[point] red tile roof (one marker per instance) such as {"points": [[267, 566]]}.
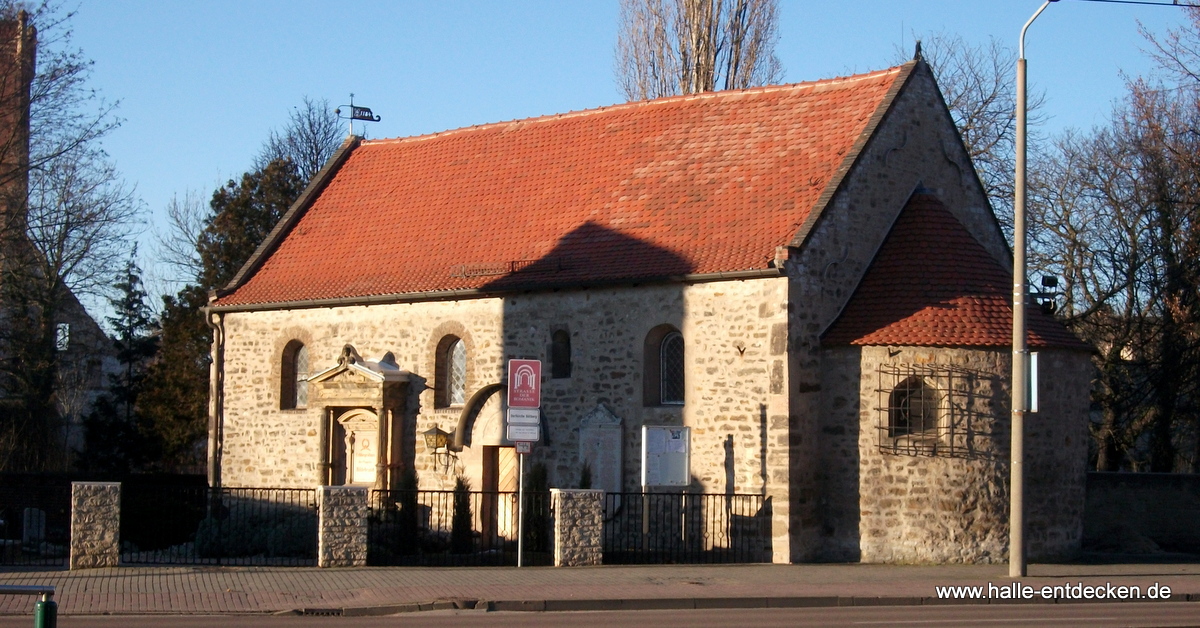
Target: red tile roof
{"points": [[932, 284], [685, 185]]}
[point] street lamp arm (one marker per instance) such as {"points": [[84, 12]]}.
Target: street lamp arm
{"points": [[1021, 45]]}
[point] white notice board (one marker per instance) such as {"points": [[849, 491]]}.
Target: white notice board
{"points": [[666, 455]]}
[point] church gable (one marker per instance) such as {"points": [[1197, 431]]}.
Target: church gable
{"points": [[933, 284]]}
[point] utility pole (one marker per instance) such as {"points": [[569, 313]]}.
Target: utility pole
{"points": [[1020, 360]]}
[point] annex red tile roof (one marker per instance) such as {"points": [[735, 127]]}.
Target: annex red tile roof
{"points": [[932, 284], [684, 185]]}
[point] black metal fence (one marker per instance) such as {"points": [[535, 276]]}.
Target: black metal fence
{"points": [[218, 526], [412, 527], [642, 528], [35, 523]]}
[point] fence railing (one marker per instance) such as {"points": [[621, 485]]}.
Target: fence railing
{"points": [[35, 524], [218, 526], [408, 527], [644, 528]]}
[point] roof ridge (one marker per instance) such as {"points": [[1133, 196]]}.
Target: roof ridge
{"points": [[725, 93]]}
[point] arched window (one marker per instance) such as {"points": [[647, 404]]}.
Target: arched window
{"points": [[663, 365], [293, 376], [560, 354], [913, 409], [450, 373]]}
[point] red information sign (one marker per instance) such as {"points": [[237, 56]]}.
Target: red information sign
{"points": [[524, 383]]}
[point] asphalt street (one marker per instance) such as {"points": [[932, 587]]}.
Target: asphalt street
{"points": [[1090, 615]]}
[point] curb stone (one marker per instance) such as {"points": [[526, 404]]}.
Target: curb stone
{"points": [[642, 604]]}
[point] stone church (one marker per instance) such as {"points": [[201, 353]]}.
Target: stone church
{"points": [[808, 276]]}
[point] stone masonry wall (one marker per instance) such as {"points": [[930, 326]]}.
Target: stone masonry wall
{"points": [[1056, 446], [914, 145], [578, 527], [95, 524], [906, 507], [342, 526], [735, 335]]}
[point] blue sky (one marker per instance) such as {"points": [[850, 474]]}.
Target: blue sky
{"points": [[200, 84]]}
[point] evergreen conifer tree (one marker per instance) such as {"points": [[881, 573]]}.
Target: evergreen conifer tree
{"points": [[115, 441]]}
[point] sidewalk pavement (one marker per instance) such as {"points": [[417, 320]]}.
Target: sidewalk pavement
{"points": [[387, 590]]}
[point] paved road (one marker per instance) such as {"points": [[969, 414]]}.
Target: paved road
{"points": [[1039, 615]]}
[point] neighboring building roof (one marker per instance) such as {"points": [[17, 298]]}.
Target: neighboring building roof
{"points": [[933, 284], [690, 185]]}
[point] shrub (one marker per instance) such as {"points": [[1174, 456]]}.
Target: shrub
{"points": [[460, 522]]}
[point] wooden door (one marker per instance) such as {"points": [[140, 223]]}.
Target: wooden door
{"points": [[498, 506]]}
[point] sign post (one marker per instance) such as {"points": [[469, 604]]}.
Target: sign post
{"points": [[524, 428]]}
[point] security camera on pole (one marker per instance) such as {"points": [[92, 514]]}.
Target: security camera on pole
{"points": [[523, 427]]}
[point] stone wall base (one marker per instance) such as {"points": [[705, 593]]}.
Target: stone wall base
{"points": [[342, 526], [578, 527], [95, 524]]}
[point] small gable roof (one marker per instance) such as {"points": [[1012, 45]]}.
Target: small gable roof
{"points": [[933, 284], [384, 370], [693, 185]]}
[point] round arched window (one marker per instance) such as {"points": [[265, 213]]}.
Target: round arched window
{"points": [[913, 409]]}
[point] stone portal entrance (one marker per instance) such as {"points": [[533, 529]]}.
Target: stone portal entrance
{"points": [[366, 437]]}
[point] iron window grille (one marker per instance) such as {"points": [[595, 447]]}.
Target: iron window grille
{"points": [[932, 410]]}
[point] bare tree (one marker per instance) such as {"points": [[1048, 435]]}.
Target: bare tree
{"points": [[310, 137], [669, 47], [78, 215], [66, 219], [176, 244], [1177, 53], [1117, 215]]}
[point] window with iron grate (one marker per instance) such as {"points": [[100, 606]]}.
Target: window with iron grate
{"points": [[913, 409], [936, 410]]}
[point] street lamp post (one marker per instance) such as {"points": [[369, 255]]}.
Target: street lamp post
{"points": [[1020, 360]]}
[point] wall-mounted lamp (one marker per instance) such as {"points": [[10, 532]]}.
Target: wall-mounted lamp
{"points": [[438, 442]]}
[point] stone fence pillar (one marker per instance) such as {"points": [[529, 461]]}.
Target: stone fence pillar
{"points": [[342, 527], [95, 524], [578, 527]]}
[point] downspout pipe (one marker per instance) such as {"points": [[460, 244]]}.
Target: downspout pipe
{"points": [[216, 392], [1017, 567]]}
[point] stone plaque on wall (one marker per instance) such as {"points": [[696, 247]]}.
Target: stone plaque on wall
{"points": [[600, 444]]}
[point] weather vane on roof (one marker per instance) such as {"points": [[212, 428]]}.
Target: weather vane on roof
{"points": [[356, 113]]}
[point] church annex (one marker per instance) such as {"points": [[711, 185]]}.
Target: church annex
{"points": [[808, 276]]}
